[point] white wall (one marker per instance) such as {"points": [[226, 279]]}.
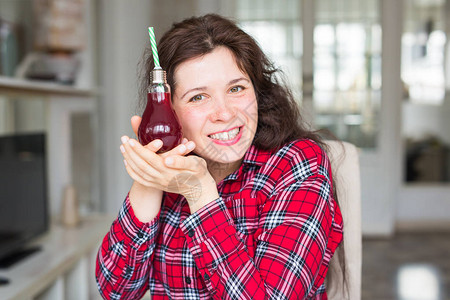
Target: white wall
{"points": [[423, 206], [420, 120], [381, 168], [122, 37]]}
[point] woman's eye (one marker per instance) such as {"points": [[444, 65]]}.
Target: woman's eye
{"points": [[236, 89], [197, 98]]}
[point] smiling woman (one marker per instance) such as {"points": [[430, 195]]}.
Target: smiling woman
{"points": [[245, 207], [216, 105]]}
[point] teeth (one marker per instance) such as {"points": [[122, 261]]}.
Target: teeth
{"points": [[225, 136]]}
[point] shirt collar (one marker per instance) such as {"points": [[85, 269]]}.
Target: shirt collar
{"points": [[255, 156]]}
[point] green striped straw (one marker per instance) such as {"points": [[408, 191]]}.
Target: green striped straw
{"points": [[151, 33]]}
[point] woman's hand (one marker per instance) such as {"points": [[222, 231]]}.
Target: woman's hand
{"points": [[171, 171]]}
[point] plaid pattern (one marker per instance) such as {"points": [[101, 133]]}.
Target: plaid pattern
{"points": [[270, 235]]}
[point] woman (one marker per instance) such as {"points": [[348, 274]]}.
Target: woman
{"points": [[244, 208]]}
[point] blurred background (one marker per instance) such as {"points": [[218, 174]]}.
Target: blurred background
{"points": [[374, 72]]}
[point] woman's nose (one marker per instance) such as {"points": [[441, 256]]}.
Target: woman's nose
{"points": [[222, 110]]}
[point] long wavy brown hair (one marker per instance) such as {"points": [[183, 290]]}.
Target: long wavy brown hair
{"points": [[279, 118]]}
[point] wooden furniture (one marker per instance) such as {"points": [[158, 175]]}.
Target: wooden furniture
{"points": [[63, 269]]}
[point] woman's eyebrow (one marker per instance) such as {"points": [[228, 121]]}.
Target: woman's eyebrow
{"points": [[237, 80], [201, 88]]}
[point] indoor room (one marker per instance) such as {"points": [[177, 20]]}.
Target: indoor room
{"points": [[370, 76]]}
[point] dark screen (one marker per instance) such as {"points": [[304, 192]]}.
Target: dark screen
{"points": [[23, 197]]}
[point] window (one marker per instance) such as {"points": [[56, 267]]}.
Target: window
{"points": [[423, 48], [276, 27], [347, 59], [347, 69]]}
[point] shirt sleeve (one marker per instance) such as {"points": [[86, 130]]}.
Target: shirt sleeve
{"points": [[295, 240], [125, 256]]}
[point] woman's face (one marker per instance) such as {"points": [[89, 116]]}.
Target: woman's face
{"points": [[216, 105]]}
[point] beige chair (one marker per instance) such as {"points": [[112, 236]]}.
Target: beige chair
{"points": [[345, 167]]}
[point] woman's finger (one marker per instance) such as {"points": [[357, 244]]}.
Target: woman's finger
{"points": [[154, 145], [191, 163], [139, 166], [141, 160], [134, 147], [135, 176], [181, 149]]}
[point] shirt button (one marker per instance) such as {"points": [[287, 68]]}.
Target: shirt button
{"points": [[140, 235], [206, 276], [191, 233], [188, 280]]}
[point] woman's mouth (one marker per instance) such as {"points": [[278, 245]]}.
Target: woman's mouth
{"points": [[227, 138], [226, 135]]}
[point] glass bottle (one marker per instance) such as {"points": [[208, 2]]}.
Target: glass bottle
{"points": [[159, 120]]}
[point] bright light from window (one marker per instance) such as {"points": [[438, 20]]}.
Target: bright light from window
{"points": [[418, 282], [351, 38], [324, 35], [423, 48], [271, 36]]}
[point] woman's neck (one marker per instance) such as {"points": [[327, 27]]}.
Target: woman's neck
{"points": [[221, 170]]}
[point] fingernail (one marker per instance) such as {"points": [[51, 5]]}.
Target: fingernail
{"points": [[182, 148], [190, 146], [122, 149], [157, 143], [124, 139], [169, 161], [131, 143], [125, 162]]}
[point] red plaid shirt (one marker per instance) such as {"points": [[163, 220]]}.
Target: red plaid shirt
{"points": [[271, 235]]}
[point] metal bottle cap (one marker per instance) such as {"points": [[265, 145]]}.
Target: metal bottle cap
{"points": [[159, 76]]}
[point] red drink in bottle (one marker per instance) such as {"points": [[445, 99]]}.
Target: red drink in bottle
{"points": [[159, 120]]}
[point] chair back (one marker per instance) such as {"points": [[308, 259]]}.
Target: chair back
{"points": [[344, 159]]}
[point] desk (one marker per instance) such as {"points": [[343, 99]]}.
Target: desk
{"points": [[64, 267]]}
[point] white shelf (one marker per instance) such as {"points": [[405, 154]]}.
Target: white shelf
{"points": [[17, 86], [63, 269]]}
